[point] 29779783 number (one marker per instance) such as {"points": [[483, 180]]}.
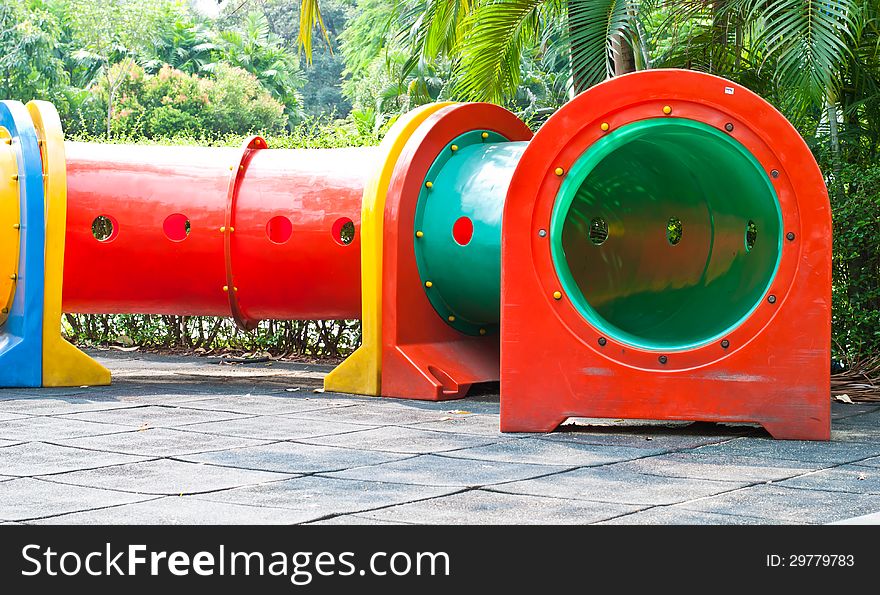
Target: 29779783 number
{"points": [[825, 560]]}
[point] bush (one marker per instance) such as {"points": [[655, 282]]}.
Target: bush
{"points": [[238, 103], [856, 273]]}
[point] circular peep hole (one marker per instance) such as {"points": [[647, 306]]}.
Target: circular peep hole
{"points": [[105, 228], [279, 229], [598, 231], [751, 235], [343, 231], [463, 231], [673, 231], [176, 227]]}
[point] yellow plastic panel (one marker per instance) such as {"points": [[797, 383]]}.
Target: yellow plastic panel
{"points": [[361, 372], [63, 364], [10, 216]]}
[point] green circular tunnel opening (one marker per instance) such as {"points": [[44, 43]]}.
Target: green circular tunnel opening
{"points": [[690, 233]]}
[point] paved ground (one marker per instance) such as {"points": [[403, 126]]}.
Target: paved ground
{"points": [[187, 440]]}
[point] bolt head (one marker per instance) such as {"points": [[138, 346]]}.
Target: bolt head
{"points": [[667, 109], [775, 173], [450, 318], [557, 295], [429, 184], [771, 299], [789, 236], [603, 341], [728, 127], [420, 234], [428, 284], [725, 344], [454, 147], [484, 136], [604, 126], [542, 233], [662, 359], [482, 330]]}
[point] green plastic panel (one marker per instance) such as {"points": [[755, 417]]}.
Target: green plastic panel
{"points": [[673, 271], [470, 182]]}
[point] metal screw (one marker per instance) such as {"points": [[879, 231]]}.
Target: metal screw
{"points": [[16, 226], [454, 148], [4, 311], [662, 359], [667, 109], [728, 127], [428, 284], [484, 136], [429, 185], [482, 330], [451, 318], [602, 341], [789, 236], [559, 171], [604, 126], [557, 295], [771, 299], [542, 233], [420, 234], [725, 344], [13, 276], [775, 173]]}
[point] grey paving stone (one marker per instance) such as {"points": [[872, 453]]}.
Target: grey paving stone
{"points": [[794, 450], [154, 416], [602, 484], [865, 519], [4, 443], [266, 404], [676, 515], [480, 424], [53, 428], [177, 510], [548, 452], [11, 416], [355, 519], [37, 458], [4, 478], [840, 411], [480, 507], [59, 405], [720, 467], [376, 414], [788, 505], [161, 442], [291, 457], [443, 471], [846, 478], [275, 427], [166, 477], [314, 498], [404, 440], [43, 393], [872, 462], [24, 499], [655, 436]]}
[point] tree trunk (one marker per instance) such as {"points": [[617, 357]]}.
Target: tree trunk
{"points": [[622, 56]]}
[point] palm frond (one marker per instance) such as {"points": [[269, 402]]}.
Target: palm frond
{"points": [[309, 17]]}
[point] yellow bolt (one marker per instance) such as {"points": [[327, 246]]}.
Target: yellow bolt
{"points": [[559, 171], [419, 234], [223, 229], [231, 167], [235, 289], [604, 126], [13, 276], [225, 288], [231, 229], [4, 311], [557, 295], [16, 226], [451, 318], [485, 135], [240, 168], [15, 177], [454, 147], [428, 284], [667, 109], [482, 331], [429, 184], [7, 141]]}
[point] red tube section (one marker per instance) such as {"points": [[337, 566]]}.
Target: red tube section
{"points": [[255, 233]]}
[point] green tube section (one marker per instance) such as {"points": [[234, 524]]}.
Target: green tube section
{"points": [[666, 234], [458, 229]]}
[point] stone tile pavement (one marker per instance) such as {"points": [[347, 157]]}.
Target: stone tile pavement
{"points": [[190, 440]]}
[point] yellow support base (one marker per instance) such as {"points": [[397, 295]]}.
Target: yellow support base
{"points": [[63, 364], [361, 372]]}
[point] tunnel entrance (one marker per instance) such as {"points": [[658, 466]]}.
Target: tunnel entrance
{"points": [[690, 232]]}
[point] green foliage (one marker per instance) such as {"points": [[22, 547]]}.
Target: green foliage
{"points": [[29, 65], [856, 273]]}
